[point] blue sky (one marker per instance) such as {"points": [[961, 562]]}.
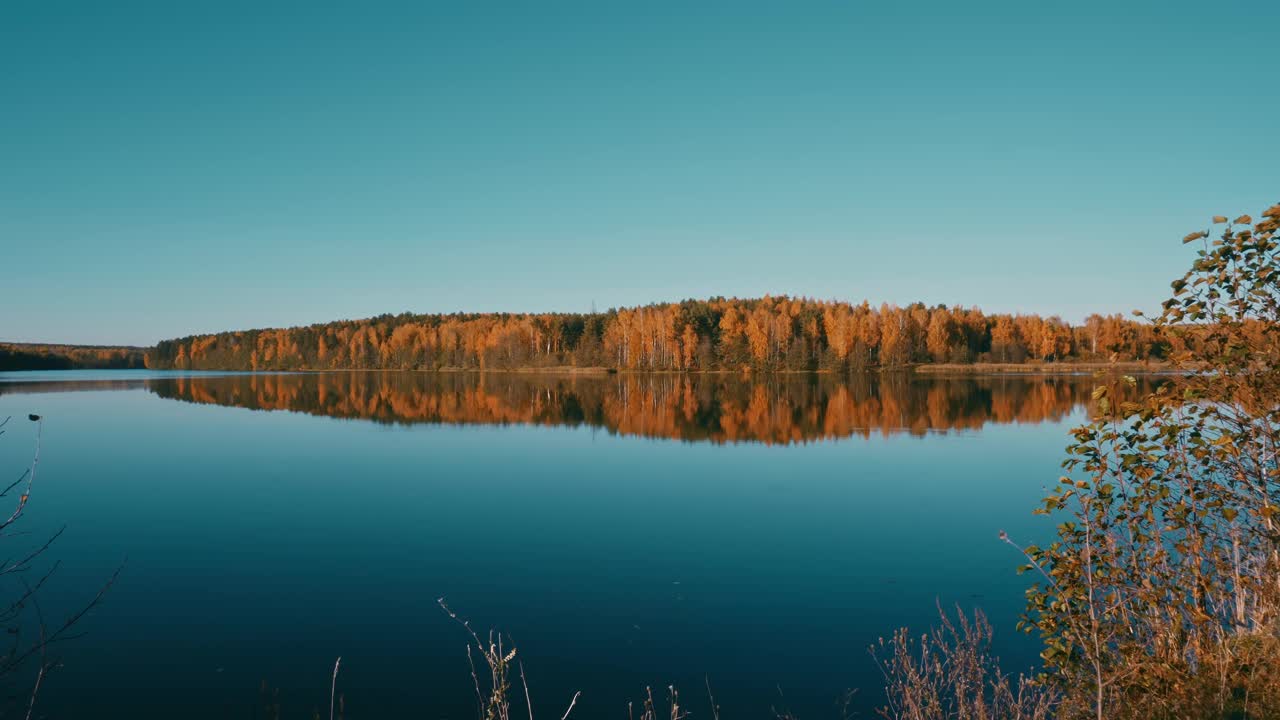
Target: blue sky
{"points": [[168, 169]]}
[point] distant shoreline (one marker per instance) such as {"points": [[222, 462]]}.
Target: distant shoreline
{"points": [[1056, 368], [1037, 368], [933, 370]]}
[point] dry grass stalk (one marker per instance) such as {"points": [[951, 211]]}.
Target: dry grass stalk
{"points": [[493, 698], [649, 708], [950, 674]]}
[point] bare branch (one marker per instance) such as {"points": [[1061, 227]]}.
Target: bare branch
{"points": [[572, 702], [333, 688]]}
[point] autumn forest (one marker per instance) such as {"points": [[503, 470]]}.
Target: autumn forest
{"points": [[25, 356], [766, 334]]}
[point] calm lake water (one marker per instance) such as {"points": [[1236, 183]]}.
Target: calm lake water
{"points": [[625, 530]]}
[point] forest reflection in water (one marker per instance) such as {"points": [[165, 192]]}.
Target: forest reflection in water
{"points": [[771, 409]]}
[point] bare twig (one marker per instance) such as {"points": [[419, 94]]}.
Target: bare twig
{"points": [[30, 476], [23, 563], [62, 633], [333, 688], [715, 709], [572, 702], [527, 702], [31, 706], [14, 484], [44, 664]]}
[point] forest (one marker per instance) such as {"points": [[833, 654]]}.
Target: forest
{"points": [[26, 356], [764, 334]]}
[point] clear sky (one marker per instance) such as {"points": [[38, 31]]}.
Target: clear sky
{"points": [[171, 168]]}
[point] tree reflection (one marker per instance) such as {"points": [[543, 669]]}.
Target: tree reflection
{"points": [[775, 409]]}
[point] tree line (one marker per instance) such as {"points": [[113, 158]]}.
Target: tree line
{"points": [[30, 356], [769, 333]]}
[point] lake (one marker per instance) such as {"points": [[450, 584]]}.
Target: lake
{"points": [[625, 530]]}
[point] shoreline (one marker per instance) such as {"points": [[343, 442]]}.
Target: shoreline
{"points": [[1064, 368], [932, 370]]}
